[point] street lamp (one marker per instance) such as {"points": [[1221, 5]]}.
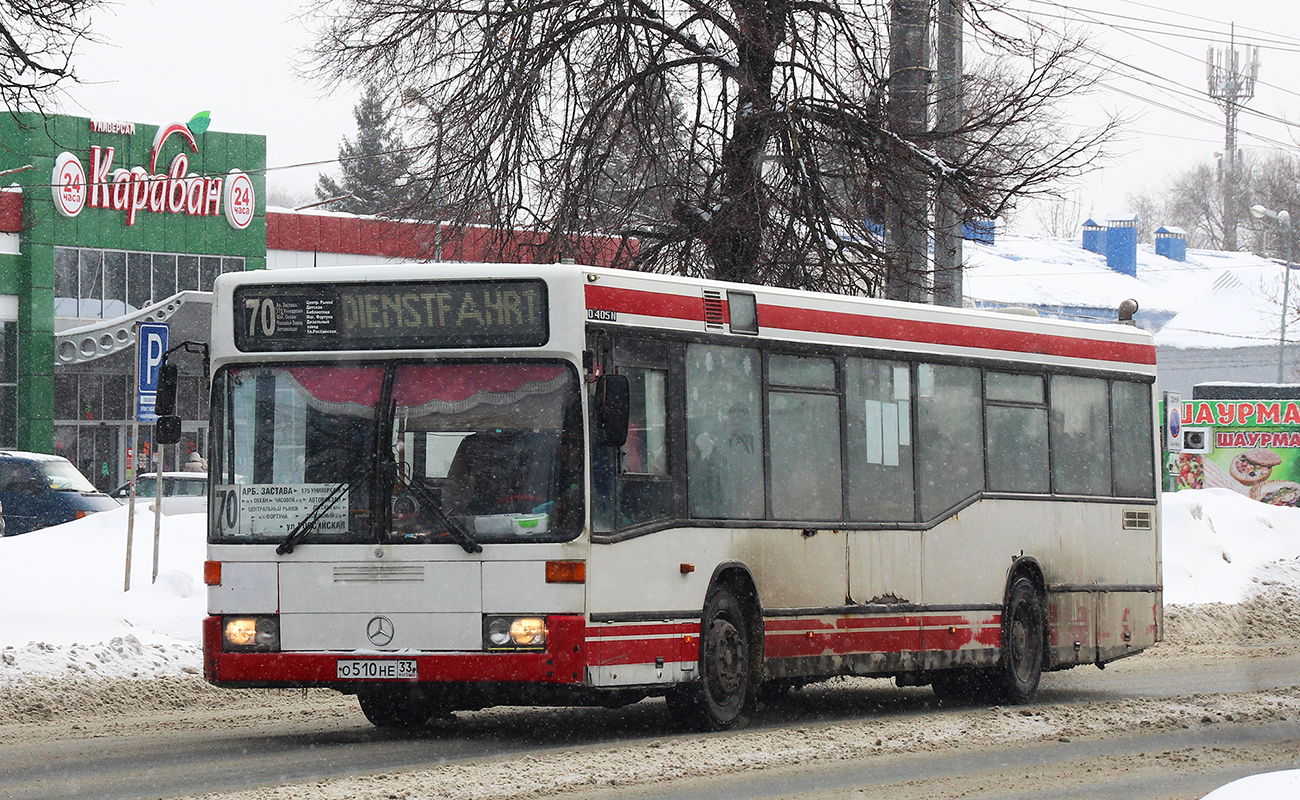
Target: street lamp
{"points": [[1284, 217]]}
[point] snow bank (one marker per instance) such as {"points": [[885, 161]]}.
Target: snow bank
{"points": [[1285, 783], [63, 612], [1221, 547]]}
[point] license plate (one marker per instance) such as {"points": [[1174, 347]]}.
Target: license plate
{"points": [[376, 669]]}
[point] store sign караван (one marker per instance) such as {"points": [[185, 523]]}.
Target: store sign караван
{"points": [[137, 189]]}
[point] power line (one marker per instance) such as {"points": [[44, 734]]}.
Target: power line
{"points": [[1178, 89], [1175, 51], [1198, 18]]}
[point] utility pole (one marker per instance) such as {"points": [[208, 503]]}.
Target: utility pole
{"points": [[1231, 84], [948, 216], [907, 224]]}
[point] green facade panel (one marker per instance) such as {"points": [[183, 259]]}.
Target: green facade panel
{"points": [[32, 139]]}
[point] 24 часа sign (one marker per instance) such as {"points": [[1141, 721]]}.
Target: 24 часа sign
{"points": [[1249, 446]]}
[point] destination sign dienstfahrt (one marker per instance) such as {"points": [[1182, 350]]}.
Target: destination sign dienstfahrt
{"points": [[381, 316]]}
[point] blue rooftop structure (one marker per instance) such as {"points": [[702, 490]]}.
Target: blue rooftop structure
{"points": [[1094, 237], [1171, 243], [1121, 244]]}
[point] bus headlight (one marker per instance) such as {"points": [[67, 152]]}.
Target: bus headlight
{"points": [[514, 633], [256, 634]]}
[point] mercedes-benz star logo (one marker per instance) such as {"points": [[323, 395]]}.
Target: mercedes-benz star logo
{"points": [[380, 631]]}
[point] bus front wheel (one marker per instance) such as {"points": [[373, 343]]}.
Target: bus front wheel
{"points": [[722, 696], [396, 707]]}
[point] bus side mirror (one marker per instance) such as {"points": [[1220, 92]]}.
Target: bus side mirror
{"points": [[167, 430], [165, 402], [613, 403]]}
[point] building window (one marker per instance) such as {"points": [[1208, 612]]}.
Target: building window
{"points": [[8, 384], [106, 284]]}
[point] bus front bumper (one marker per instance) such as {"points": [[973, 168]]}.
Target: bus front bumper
{"points": [[562, 662]]}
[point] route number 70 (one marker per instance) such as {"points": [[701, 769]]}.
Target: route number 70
{"points": [[260, 310]]}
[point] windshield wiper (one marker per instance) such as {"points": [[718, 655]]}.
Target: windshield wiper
{"points": [[457, 531], [308, 523]]}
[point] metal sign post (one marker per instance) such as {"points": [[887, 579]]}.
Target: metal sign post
{"points": [[157, 505]]}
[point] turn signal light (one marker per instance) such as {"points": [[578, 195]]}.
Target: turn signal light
{"points": [[566, 571], [212, 573]]}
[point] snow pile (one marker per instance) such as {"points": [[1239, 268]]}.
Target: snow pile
{"points": [[62, 608], [1285, 783], [63, 612], [1221, 547]]}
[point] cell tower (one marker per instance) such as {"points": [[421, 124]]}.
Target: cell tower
{"points": [[1231, 84]]}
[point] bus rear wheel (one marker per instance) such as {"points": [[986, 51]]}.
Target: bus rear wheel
{"points": [[1020, 666], [722, 696], [1023, 638], [397, 706]]}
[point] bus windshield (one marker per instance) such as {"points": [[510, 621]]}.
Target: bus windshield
{"points": [[399, 452]]}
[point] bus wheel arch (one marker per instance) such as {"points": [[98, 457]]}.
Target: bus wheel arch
{"points": [[729, 667]]}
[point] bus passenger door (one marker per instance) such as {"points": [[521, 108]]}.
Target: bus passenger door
{"points": [[638, 482], [884, 563]]}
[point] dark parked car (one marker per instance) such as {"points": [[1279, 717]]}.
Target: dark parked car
{"points": [[38, 490]]}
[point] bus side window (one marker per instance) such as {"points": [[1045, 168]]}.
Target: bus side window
{"points": [[1131, 433], [950, 436], [1016, 414], [644, 492], [1080, 432], [879, 402], [724, 432]]}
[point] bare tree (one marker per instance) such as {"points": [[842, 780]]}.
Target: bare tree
{"points": [[764, 142], [37, 42], [1061, 216], [1192, 200]]}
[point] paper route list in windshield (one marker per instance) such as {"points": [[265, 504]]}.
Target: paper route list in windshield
{"points": [[274, 509]]}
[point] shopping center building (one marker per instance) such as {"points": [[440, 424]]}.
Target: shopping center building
{"points": [[109, 223], [106, 224]]}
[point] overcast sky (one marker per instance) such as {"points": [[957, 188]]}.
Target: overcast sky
{"points": [[164, 60]]}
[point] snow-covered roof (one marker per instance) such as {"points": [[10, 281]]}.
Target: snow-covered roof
{"points": [[1213, 299]]}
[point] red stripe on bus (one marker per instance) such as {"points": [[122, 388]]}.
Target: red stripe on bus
{"points": [[649, 304], [643, 629], [944, 333], [676, 642], [682, 307], [848, 642]]}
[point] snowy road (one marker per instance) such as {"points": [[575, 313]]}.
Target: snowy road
{"points": [[826, 742]]}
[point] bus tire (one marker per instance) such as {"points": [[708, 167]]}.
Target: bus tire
{"points": [[961, 685], [396, 707], [723, 695], [1024, 634]]}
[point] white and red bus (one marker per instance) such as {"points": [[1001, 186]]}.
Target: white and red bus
{"points": [[445, 487]]}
